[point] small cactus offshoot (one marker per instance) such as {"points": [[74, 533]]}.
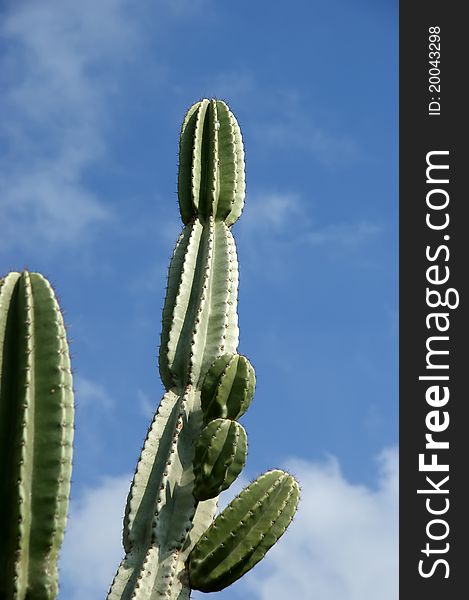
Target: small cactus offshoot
{"points": [[220, 455], [228, 387]]}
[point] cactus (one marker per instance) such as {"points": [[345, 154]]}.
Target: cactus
{"points": [[194, 448], [228, 388], [170, 505], [220, 454], [241, 535], [36, 434]]}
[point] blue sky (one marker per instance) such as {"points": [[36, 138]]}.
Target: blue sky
{"points": [[94, 95]]}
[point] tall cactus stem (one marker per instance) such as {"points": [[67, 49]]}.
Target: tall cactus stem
{"points": [[173, 495], [163, 519], [36, 435]]}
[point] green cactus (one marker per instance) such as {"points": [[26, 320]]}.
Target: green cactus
{"points": [[194, 448], [228, 388], [220, 455], [36, 435], [204, 379], [241, 535]]}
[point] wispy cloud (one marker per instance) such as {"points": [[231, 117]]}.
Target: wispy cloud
{"points": [[91, 394], [284, 120], [59, 77], [147, 407], [184, 8], [272, 210], [95, 413], [297, 131], [343, 542], [346, 234], [234, 86], [289, 122], [275, 213]]}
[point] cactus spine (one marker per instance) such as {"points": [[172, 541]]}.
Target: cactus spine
{"points": [[172, 501], [36, 435]]}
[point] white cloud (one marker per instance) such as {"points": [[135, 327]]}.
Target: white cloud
{"points": [[343, 542], [182, 9], [147, 407], [92, 546], [234, 86], [281, 119], [346, 234], [277, 212], [91, 394], [297, 131], [59, 70], [300, 127], [271, 210], [95, 413]]}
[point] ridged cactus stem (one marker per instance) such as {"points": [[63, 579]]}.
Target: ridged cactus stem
{"points": [[163, 520], [194, 448], [36, 434]]}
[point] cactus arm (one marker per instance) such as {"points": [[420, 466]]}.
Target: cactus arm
{"points": [[220, 455], [228, 388], [36, 434], [242, 534]]}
